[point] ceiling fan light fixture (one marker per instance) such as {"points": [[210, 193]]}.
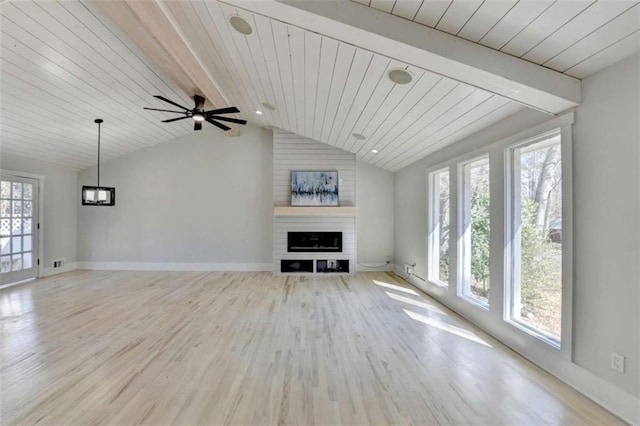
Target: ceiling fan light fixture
{"points": [[240, 25], [400, 76], [199, 115]]}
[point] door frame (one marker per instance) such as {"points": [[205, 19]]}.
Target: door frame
{"points": [[40, 179]]}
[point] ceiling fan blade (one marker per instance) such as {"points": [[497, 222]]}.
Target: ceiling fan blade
{"points": [[227, 110], [229, 119], [219, 125], [197, 125], [175, 119], [199, 100], [164, 110], [162, 98]]}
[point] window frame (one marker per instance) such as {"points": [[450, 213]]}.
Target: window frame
{"points": [[463, 242], [39, 260], [496, 318], [512, 237], [433, 227]]}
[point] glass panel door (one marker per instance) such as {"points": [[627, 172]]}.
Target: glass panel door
{"points": [[18, 228]]}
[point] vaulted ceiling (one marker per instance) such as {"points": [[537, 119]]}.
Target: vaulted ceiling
{"points": [[66, 63], [63, 64], [328, 90], [577, 37]]}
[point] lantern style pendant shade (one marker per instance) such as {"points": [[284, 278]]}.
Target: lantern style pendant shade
{"points": [[98, 195]]}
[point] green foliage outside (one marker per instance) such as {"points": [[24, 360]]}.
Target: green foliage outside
{"points": [[480, 231], [444, 263], [444, 227], [541, 274], [541, 258]]}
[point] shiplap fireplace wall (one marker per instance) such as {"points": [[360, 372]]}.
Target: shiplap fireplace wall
{"points": [[294, 152]]}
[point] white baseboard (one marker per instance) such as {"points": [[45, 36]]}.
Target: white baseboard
{"points": [[619, 402], [68, 267], [364, 268], [174, 266]]}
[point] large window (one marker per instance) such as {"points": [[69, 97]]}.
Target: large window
{"points": [[474, 230], [536, 236], [439, 227], [499, 233]]}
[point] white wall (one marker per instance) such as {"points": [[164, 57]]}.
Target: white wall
{"points": [[374, 196], [606, 191], [607, 223], [60, 205], [204, 199]]}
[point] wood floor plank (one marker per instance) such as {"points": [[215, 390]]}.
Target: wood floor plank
{"points": [[92, 347]]}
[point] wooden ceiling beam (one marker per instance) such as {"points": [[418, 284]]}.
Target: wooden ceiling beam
{"points": [[151, 28]]}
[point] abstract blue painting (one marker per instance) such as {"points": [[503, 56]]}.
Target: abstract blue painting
{"points": [[314, 188]]}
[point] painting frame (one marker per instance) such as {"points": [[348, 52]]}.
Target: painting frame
{"points": [[315, 188]]}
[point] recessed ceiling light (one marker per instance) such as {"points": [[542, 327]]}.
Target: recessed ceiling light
{"points": [[400, 76], [258, 112], [269, 106], [358, 136], [374, 151], [240, 25]]}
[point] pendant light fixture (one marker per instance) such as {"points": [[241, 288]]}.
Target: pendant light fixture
{"points": [[98, 195]]}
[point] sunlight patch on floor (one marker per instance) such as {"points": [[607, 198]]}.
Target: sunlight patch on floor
{"points": [[417, 303], [395, 287], [461, 332]]}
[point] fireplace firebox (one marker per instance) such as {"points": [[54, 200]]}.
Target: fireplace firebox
{"points": [[314, 242]]}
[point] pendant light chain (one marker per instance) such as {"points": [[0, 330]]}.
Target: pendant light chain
{"points": [[99, 122], [98, 154]]}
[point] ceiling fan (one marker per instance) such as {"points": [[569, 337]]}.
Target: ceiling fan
{"points": [[199, 114]]}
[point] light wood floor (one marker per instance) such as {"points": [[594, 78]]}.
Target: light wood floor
{"points": [[254, 348]]}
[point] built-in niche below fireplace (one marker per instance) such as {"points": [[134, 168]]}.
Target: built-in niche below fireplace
{"points": [[322, 266], [314, 242], [296, 266]]}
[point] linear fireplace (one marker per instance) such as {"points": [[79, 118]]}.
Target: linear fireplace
{"points": [[314, 242]]}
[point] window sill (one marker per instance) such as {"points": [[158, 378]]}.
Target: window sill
{"points": [[541, 336], [474, 302], [438, 283]]}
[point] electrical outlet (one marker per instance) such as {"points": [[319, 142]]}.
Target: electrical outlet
{"points": [[59, 263], [408, 269], [617, 362]]}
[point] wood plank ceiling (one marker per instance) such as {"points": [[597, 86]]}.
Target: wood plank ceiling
{"points": [[576, 37], [63, 64], [66, 63], [328, 90]]}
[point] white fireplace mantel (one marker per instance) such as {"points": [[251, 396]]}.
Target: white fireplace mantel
{"points": [[343, 211]]}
